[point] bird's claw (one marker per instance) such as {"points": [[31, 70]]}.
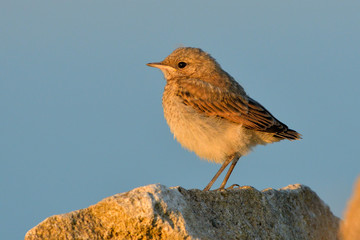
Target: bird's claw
{"points": [[233, 186]]}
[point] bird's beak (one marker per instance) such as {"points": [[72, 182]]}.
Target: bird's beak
{"points": [[155, 64], [163, 67], [166, 69]]}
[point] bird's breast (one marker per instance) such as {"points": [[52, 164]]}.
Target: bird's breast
{"points": [[211, 138]]}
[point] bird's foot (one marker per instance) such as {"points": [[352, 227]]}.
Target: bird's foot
{"points": [[233, 186]]}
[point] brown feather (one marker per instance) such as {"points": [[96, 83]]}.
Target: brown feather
{"points": [[233, 106]]}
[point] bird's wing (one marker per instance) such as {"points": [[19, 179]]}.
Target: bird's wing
{"points": [[232, 105]]}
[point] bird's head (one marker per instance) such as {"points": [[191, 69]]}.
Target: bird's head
{"points": [[187, 62]]}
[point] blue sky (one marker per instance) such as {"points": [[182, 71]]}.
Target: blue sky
{"points": [[81, 116]]}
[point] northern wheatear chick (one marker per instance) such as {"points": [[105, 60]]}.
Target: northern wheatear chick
{"points": [[210, 114]]}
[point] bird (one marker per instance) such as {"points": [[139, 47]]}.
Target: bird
{"points": [[209, 113]]}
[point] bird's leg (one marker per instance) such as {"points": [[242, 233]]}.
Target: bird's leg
{"points": [[236, 159], [223, 166]]}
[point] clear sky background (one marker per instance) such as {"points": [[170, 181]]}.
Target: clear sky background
{"points": [[81, 115]]}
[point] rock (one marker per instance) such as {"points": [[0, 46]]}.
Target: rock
{"points": [[158, 212], [350, 227]]}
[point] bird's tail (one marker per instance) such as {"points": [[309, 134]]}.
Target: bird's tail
{"points": [[288, 134]]}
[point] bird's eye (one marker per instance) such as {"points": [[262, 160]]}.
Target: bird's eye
{"points": [[181, 64]]}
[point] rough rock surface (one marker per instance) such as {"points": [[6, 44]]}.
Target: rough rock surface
{"points": [[158, 212]]}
